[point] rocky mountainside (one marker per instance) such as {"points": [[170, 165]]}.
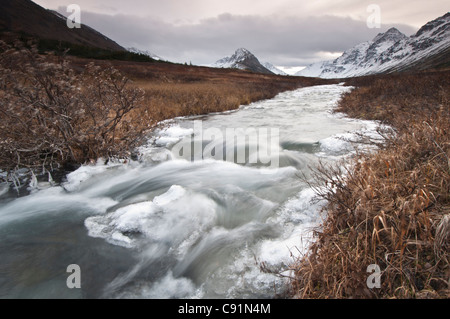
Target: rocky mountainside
{"points": [[24, 17], [244, 60], [391, 51]]}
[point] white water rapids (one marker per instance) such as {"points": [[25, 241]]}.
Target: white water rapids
{"points": [[166, 226]]}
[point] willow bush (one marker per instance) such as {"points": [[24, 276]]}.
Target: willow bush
{"points": [[51, 115]]}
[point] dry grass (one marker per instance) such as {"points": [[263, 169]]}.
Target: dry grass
{"points": [[391, 208], [173, 90], [169, 100]]}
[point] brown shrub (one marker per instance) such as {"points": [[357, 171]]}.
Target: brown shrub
{"points": [[52, 115]]}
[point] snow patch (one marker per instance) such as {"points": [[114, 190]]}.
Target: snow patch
{"points": [[170, 218]]}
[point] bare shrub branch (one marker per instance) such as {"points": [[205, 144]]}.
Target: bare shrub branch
{"points": [[52, 115]]}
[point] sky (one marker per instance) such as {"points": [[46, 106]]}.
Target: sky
{"points": [[286, 33]]}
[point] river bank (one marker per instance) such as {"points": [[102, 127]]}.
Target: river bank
{"points": [[392, 208], [61, 112], [166, 226], [65, 111]]}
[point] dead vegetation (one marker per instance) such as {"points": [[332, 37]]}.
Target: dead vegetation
{"points": [[390, 208], [52, 115], [173, 90]]}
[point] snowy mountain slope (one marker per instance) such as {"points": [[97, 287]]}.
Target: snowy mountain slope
{"points": [[390, 51], [269, 66], [147, 53], [244, 60]]}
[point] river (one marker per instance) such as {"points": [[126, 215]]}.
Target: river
{"points": [[192, 217]]}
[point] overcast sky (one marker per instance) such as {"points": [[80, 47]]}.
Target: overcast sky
{"points": [[283, 32]]}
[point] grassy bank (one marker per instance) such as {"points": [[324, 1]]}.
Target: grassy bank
{"points": [[392, 208]]}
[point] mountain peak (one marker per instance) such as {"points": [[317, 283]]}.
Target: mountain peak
{"points": [[242, 51], [242, 54], [393, 30], [242, 59], [393, 34]]}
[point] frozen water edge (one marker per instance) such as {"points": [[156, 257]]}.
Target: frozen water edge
{"points": [[298, 217]]}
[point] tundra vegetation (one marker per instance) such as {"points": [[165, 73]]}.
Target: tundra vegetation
{"points": [[391, 207]]}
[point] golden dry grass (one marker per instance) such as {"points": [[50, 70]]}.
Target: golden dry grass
{"points": [[392, 208]]}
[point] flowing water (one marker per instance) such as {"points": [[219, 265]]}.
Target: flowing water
{"points": [[178, 224]]}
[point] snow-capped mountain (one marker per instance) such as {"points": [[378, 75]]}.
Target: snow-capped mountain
{"points": [[244, 60], [147, 53], [269, 66], [390, 51]]}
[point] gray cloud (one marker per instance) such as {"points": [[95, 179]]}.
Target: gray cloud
{"points": [[410, 12], [290, 41]]}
